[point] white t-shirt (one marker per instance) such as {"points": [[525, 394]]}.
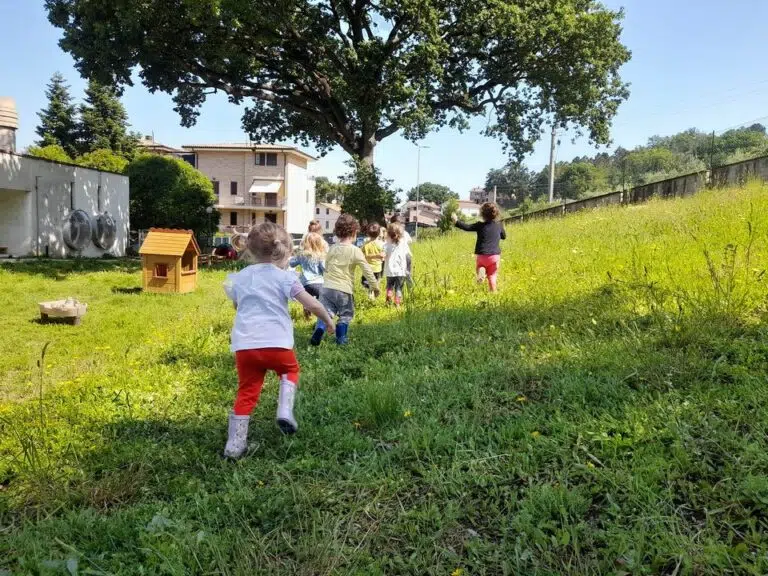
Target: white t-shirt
{"points": [[396, 258], [407, 237], [261, 293]]}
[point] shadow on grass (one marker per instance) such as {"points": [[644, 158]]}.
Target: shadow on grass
{"points": [[62, 269], [128, 291]]}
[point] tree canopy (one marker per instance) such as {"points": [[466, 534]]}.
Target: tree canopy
{"points": [[327, 191], [430, 192], [167, 192], [103, 160], [58, 120], [103, 122], [50, 152], [367, 196], [353, 72]]}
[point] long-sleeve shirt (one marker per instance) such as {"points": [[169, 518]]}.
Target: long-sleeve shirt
{"points": [[488, 236], [312, 269], [340, 268]]}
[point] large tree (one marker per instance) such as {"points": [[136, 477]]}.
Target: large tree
{"points": [[353, 72], [430, 192], [367, 196], [58, 121], [514, 183], [327, 191], [104, 122]]}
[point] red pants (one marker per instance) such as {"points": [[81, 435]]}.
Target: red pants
{"points": [[252, 366], [491, 264]]}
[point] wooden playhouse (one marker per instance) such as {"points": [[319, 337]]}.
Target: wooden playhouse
{"points": [[169, 261]]}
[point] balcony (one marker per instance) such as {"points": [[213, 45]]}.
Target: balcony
{"points": [[265, 201]]}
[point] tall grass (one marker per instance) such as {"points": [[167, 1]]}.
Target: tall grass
{"points": [[605, 413]]}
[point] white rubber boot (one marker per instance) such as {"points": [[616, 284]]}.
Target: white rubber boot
{"points": [[285, 420], [237, 440]]}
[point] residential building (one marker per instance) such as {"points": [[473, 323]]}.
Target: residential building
{"points": [[469, 209], [479, 195], [327, 214], [59, 210], [427, 213], [149, 145], [256, 183]]}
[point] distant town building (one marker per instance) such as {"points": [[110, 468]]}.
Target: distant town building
{"points": [[327, 214], [469, 209], [427, 214]]}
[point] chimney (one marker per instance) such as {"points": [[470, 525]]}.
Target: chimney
{"points": [[9, 122]]}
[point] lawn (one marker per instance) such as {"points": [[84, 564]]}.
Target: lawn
{"points": [[605, 413]]}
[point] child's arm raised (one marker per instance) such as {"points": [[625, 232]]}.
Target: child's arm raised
{"points": [[310, 303]]}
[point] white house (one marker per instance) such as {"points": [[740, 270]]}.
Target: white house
{"points": [[469, 209], [327, 214], [256, 183], [57, 210]]}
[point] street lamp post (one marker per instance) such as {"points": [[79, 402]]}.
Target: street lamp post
{"points": [[209, 211], [418, 187]]}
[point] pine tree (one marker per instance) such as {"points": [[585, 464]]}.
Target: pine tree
{"points": [[104, 122], [58, 122]]}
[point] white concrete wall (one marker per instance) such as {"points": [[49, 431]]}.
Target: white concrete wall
{"points": [[300, 195], [51, 191]]}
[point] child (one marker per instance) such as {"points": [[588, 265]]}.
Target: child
{"points": [[336, 295], [374, 255], [487, 249], [396, 219], [312, 262], [314, 228], [262, 336], [396, 262]]}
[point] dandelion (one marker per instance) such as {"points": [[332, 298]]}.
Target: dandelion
{"points": [[457, 572], [521, 399], [535, 434], [407, 414]]}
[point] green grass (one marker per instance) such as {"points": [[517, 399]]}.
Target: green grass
{"points": [[605, 413]]}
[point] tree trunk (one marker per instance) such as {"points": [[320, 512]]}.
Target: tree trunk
{"points": [[366, 154]]}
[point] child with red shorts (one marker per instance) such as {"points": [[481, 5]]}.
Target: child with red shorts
{"points": [[262, 336], [487, 248]]}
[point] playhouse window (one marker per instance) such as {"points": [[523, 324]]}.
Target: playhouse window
{"points": [[188, 262], [161, 270]]}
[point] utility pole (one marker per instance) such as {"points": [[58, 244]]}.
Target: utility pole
{"points": [[552, 166], [493, 198], [418, 188]]}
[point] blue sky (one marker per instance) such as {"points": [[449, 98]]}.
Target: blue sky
{"points": [[695, 63]]}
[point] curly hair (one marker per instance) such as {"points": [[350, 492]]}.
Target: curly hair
{"points": [[346, 227], [489, 211], [395, 232], [269, 242], [374, 230]]}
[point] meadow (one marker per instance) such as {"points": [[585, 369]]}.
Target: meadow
{"points": [[605, 413]]}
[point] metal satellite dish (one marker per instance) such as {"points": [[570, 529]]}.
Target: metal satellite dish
{"points": [[77, 230], [104, 231]]}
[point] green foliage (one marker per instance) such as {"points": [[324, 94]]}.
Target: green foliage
{"points": [[450, 208], [604, 413], [103, 160], [104, 122], [576, 180], [58, 120], [367, 195], [351, 74], [430, 192], [167, 192], [327, 191], [51, 152], [513, 183]]}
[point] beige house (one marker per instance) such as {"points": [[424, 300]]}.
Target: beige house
{"points": [[256, 183], [427, 213], [469, 209], [327, 214]]}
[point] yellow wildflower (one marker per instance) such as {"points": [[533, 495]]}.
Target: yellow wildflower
{"points": [[535, 434], [407, 414], [457, 572], [590, 465], [521, 399], [357, 425]]}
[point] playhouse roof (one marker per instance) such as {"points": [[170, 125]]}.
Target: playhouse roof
{"points": [[167, 242]]}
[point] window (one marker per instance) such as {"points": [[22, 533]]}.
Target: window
{"points": [[266, 159], [188, 262], [271, 218], [317, 211], [233, 218], [215, 186], [327, 211], [190, 159], [161, 271], [327, 224], [233, 188]]}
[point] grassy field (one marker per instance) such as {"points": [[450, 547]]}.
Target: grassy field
{"points": [[605, 413]]}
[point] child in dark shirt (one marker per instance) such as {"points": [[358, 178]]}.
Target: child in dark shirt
{"points": [[487, 249]]}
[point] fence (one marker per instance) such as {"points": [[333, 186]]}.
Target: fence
{"points": [[678, 187]]}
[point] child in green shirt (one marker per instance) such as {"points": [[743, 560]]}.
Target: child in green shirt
{"points": [[373, 250]]}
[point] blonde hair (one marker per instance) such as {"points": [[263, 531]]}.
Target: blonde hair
{"points": [[314, 246], [395, 232], [269, 242]]}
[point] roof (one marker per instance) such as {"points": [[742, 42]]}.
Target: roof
{"points": [[468, 204], [241, 146], [335, 207], [423, 204], [168, 242]]}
